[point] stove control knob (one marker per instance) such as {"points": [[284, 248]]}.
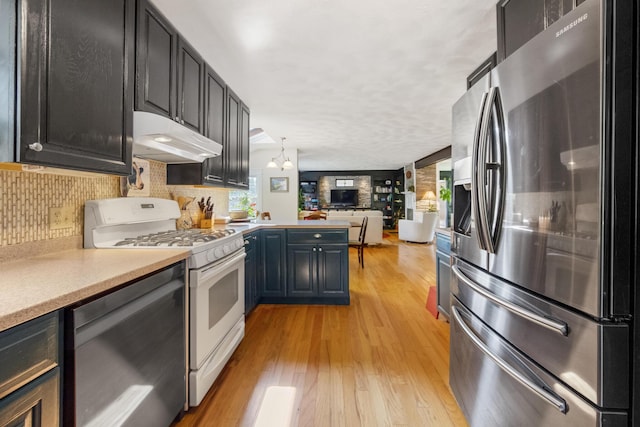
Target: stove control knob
{"points": [[211, 256], [227, 249], [239, 244], [219, 252]]}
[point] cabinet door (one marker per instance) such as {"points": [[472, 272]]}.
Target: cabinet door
{"points": [[191, 70], [249, 275], [34, 405], [258, 267], [232, 146], [243, 170], [273, 263], [302, 270], [215, 119], [443, 276], [76, 84], [156, 59], [333, 270]]}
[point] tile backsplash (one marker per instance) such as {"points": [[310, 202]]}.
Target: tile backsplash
{"points": [[25, 199]]}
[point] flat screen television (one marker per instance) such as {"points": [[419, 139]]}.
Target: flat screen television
{"points": [[344, 197]]}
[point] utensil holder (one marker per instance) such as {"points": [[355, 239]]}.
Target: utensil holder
{"points": [[206, 223]]}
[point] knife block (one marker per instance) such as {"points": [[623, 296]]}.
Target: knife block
{"points": [[207, 223]]}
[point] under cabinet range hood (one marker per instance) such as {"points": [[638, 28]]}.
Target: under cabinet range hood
{"points": [[159, 138]]}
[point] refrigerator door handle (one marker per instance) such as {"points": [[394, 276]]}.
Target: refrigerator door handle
{"points": [[475, 173], [549, 323], [544, 391], [497, 166], [482, 215]]}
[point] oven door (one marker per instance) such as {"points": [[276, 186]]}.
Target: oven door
{"points": [[217, 303]]}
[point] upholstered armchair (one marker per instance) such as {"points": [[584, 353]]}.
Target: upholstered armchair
{"points": [[420, 229]]}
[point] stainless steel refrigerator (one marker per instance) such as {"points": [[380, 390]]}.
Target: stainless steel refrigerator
{"points": [[545, 229]]}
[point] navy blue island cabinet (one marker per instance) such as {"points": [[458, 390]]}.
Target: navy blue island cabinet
{"points": [[300, 266]]}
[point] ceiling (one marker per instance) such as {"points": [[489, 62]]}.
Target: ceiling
{"points": [[352, 85]]}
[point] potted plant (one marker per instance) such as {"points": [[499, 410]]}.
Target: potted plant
{"points": [[445, 195]]}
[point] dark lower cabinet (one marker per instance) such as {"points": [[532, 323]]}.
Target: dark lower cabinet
{"points": [[317, 270], [318, 266], [252, 269], [443, 272], [74, 84], [333, 271], [300, 266], [273, 278], [30, 373], [34, 405], [302, 270]]}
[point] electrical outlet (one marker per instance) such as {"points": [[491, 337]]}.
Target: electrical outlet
{"points": [[60, 218]]}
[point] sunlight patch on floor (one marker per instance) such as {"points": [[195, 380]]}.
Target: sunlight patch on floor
{"points": [[276, 409]]}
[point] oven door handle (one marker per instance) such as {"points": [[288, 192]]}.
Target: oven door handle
{"points": [[544, 391], [215, 269], [552, 324]]}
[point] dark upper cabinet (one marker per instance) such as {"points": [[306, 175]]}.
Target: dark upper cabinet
{"points": [[170, 74], [482, 70], [243, 172], [232, 143], [191, 72], [173, 80], [74, 84], [214, 125], [156, 63]]}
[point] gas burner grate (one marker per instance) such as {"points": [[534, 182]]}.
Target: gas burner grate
{"points": [[175, 238]]}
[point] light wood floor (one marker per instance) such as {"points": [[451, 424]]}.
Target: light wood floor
{"points": [[382, 361]]}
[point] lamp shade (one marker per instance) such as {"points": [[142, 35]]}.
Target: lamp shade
{"points": [[430, 195]]}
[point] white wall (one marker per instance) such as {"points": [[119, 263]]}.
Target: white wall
{"points": [[282, 206]]}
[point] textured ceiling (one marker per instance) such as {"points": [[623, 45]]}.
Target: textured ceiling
{"points": [[352, 84]]}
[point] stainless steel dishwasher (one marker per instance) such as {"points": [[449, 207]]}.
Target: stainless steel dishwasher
{"points": [[128, 355]]}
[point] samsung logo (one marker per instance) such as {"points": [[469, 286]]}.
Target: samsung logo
{"points": [[571, 25]]}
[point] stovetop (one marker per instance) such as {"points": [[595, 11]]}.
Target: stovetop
{"points": [[182, 238], [150, 223]]}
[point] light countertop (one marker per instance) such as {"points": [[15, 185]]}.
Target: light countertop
{"points": [[37, 285], [247, 227]]}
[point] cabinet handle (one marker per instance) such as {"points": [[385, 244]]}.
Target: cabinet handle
{"points": [[255, 237], [177, 119], [246, 242], [320, 249], [36, 146], [317, 235], [314, 249]]}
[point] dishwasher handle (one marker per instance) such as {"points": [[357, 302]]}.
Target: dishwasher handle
{"points": [[88, 331]]}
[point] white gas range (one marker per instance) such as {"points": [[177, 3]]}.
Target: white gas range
{"points": [[215, 278]]}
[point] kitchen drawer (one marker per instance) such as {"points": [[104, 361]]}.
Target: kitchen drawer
{"points": [[28, 351], [443, 243], [317, 236]]}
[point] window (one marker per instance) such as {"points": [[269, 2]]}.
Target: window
{"points": [[245, 200]]}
